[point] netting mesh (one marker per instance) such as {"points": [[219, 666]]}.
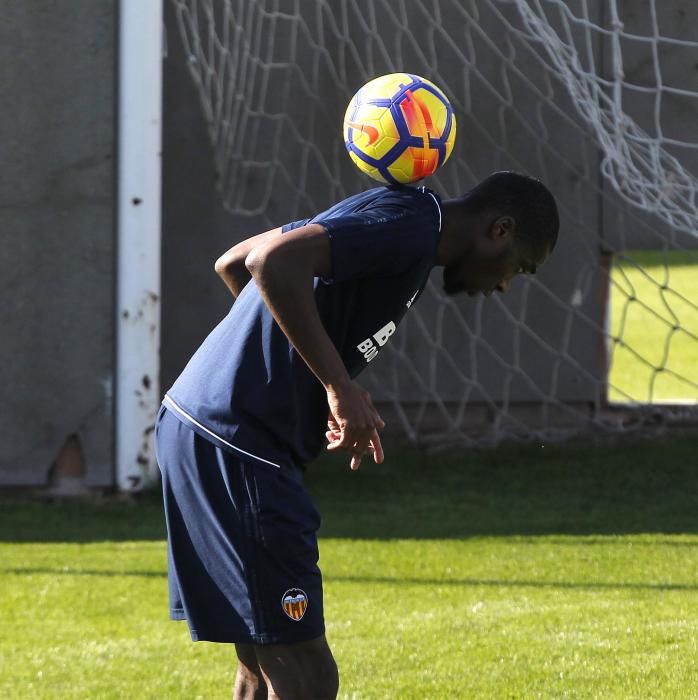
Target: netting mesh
{"points": [[598, 99], [636, 162]]}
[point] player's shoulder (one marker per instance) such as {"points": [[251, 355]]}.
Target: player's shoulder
{"points": [[405, 193], [411, 198], [415, 201], [396, 197], [387, 205]]}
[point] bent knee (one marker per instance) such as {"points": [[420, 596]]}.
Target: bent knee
{"points": [[300, 672], [317, 679], [323, 682]]}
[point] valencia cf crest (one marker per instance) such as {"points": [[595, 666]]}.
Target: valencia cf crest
{"points": [[295, 603]]}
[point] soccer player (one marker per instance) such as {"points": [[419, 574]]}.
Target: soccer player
{"points": [[315, 301]]}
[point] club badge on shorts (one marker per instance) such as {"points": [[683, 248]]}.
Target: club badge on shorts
{"points": [[295, 603]]}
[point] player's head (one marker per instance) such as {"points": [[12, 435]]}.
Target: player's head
{"points": [[507, 225]]}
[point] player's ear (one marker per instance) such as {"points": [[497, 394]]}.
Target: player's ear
{"points": [[503, 228]]}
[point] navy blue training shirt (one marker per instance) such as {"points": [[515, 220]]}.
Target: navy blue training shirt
{"points": [[248, 390]]}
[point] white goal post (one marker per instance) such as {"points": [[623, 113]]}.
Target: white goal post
{"points": [[138, 242]]}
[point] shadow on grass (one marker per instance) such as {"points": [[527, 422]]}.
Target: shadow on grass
{"points": [[581, 488], [386, 580], [83, 520]]}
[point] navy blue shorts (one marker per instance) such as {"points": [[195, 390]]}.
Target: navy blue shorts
{"points": [[242, 542]]}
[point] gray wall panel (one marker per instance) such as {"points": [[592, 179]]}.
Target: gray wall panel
{"points": [[671, 116], [57, 223]]}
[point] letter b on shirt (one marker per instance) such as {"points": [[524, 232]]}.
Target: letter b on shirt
{"points": [[384, 333], [368, 349]]}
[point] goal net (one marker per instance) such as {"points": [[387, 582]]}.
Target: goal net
{"points": [[597, 98]]}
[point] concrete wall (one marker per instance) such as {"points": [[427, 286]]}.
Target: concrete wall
{"points": [[57, 230]]}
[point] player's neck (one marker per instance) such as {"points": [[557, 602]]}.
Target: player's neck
{"points": [[458, 231]]}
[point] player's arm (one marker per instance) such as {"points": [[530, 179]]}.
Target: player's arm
{"points": [[230, 267], [284, 268]]}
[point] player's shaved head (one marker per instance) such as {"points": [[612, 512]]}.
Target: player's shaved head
{"points": [[505, 226], [527, 200]]}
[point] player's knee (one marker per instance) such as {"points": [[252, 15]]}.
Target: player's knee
{"points": [[319, 677], [305, 673], [325, 679], [319, 683]]}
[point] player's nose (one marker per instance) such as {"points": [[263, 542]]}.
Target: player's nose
{"points": [[503, 286]]}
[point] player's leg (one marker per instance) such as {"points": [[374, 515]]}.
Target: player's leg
{"points": [[250, 684], [299, 671]]}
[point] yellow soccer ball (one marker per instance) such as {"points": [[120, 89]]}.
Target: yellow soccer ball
{"points": [[399, 128]]}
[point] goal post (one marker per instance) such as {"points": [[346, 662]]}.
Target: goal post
{"points": [[138, 242], [597, 98]]}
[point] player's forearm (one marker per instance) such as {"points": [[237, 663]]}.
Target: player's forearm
{"points": [[286, 286]]}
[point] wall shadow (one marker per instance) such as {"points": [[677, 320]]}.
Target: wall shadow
{"points": [[646, 486]]}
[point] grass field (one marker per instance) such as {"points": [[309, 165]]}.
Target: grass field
{"points": [[653, 311], [537, 572]]}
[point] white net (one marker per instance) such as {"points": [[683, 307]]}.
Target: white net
{"points": [[636, 162], [598, 98]]}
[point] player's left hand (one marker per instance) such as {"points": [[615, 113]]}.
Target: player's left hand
{"points": [[334, 435]]}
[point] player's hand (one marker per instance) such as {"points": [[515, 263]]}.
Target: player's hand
{"points": [[353, 423], [334, 433]]}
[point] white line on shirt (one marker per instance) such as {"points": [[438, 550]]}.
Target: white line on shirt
{"points": [[171, 404], [436, 201]]}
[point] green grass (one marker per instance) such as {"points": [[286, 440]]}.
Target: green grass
{"points": [[536, 572], [654, 314]]}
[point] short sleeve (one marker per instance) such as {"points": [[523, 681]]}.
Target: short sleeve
{"points": [[381, 241], [294, 225]]}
